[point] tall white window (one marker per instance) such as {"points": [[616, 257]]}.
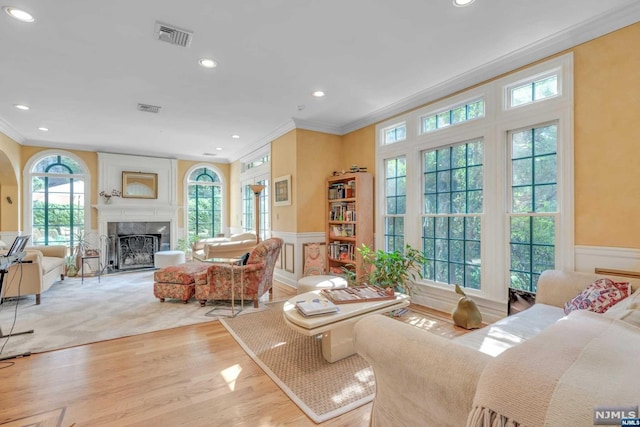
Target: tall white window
{"points": [[256, 171], [482, 182], [204, 201], [56, 200]]}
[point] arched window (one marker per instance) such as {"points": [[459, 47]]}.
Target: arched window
{"points": [[204, 202], [57, 200]]}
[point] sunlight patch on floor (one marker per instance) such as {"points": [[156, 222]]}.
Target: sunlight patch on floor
{"points": [[230, 375]]}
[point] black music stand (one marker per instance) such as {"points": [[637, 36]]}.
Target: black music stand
{"points": [[14, 256]]}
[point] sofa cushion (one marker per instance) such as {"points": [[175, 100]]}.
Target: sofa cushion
{"points": [[49, 263], [599, 296]]}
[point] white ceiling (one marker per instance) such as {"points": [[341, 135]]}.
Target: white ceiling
{"points": [[83, 66]]}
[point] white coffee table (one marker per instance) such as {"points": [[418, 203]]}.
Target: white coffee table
{"points": [[337, 328]]}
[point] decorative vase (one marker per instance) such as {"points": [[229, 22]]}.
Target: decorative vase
{"points": [[466, 313]]}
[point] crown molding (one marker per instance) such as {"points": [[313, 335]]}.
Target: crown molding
{"points": [[285, 127], [318, 126], [11, 132], [581, 33]]}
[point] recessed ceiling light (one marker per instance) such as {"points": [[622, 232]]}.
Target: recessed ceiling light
{"points": [[318, 93], [235, 136], [21, 107], [462, 3], [19, 14], [208, 63], [219, 148], [43, 129]]}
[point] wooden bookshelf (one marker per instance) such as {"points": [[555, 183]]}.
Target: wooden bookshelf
{"points": [[349, 221]]}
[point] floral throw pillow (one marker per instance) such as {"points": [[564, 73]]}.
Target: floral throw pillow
{"points": [[599, 296]]}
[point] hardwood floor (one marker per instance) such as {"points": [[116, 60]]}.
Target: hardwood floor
{"points": [[189, 376]]}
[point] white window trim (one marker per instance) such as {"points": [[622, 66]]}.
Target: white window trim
{"points": [[185, 191], [28, 186], [493, 129]]}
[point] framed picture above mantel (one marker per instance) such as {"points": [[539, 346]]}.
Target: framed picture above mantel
{"points": [[139, 185]]}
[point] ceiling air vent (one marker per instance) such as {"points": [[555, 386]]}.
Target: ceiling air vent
{"points": [[172, 35], [149, 108]]}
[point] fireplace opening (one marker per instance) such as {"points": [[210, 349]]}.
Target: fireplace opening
{"points": [[136, 250]]}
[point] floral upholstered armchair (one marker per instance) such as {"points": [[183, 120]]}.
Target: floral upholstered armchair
{"points": [[256, 276]]}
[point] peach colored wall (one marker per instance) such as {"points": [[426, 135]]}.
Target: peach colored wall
{"points": [[359, 148], [183, 167], [90, 158], [319, 154], [283, 162], [607, 138], [10, 179]]}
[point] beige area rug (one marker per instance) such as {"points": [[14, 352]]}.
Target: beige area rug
{"points": [[74, 313], [321, 389]]}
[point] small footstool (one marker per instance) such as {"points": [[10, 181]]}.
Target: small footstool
{"points": [[177, 281], [168, 258], [312, 283]]}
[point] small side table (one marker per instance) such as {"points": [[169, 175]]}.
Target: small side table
{"points": [[232, 263], [87, 258]]}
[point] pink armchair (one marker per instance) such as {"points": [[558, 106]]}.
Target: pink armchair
{"points": [[256, 276]]}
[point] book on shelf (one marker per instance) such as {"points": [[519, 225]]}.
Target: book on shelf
{"points": [[316, 307]]}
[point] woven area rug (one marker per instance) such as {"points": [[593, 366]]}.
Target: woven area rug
{"points": [[73, 313], [321, 389]]}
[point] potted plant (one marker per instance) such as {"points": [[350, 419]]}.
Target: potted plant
{"points": [[393, 270], [71, 270]]}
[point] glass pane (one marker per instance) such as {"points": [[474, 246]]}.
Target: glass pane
{"points": [[442, 227], [545, 196], [546, 140], [459, 179], [474, 153], [391, 187], [546, 170], [430, 161], [472, 229], [459, 156], [475, 178], [444, 119], [459, 114], [401, 207], [429, 124], [522, 144], [444, 159], [444, 203], [430, 182], [521, 95], [456, 230], [401, 133], [390, 136], [520, 230], [443, 181], [428, 227], [458, 202], [522, 172], [430, 203], [520, 257], [522, 199], [476, 109], [544, 230], [546, 87], [543, 258]]}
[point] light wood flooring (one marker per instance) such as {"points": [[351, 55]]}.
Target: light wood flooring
{"points": [[189, 376]]}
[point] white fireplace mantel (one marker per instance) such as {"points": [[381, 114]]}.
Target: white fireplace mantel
{"points": [[137, 213]]}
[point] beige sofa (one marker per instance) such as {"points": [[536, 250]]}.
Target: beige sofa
{"points": [[224, 247], [42, 266], [538, 367]]}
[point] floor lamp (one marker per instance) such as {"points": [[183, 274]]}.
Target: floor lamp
{"points": [[257, 189]]}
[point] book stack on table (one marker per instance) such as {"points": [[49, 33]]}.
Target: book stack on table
{"points": [[316, 307]]}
